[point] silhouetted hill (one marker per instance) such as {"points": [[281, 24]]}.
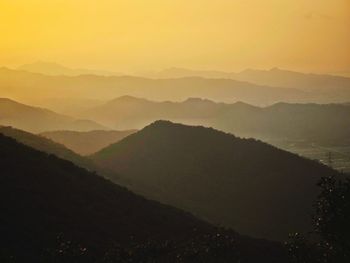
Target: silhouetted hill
{"points": [[36, 119], [86, 143], [242, 183], [310, 122], [43, 197], [46, 145], [128, 112], [13, 84]]}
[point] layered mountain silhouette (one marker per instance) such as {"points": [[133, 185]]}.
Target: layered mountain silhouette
{"points": [[36, 119], [129, 112], [274, 77], [305, 122], [43, 197], [310, 122], [86, 143], [245, 184], [289, 79], [15, 83], [48, 146]]}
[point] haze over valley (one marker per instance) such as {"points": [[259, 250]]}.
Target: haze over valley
{"points": [[175, 131]]}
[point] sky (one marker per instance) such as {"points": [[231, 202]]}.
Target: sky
{"points": [[146, 35]]}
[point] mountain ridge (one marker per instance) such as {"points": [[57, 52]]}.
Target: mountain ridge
{"points": [[66, 206], [209, 173], [36, 119]]}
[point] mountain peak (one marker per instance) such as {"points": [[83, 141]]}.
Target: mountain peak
{"points": [[127, 99], [197, 100], [210, 168], [162, 124]]}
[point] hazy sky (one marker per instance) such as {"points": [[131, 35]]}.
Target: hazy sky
{"points": [[135, 35]]}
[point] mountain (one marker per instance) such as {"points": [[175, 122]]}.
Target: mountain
{"points": [[54, 211], [184, 73], [274, 77], [36, 119], [48, 146], [307, 122], [14, 84], [55, 69], [289, 79], [86, 143], [129, 112], [245, 184]]}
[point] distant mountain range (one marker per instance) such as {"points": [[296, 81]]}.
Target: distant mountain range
{"points": [[245, 184], [311, 122], [274, 77], [86, 143], [52, 210], [55, 69], [14, 84], [36, 119], [251, 86]]}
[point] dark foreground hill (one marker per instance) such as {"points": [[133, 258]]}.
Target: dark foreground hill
{"points": [[245, 184], [42, 197], [46, 145], [86, 143]]}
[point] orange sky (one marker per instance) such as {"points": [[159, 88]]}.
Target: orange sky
{"points": [[139, 35]]}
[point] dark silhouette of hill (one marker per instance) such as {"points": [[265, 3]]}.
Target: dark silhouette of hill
{"points": [[86, 143], [311, 122], [43, 197], [48, 146], [308, 122], [36, 119], [245, 184], [55, 69], [135, 113], [14, 82]]}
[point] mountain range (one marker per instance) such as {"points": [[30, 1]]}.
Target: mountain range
{"points": [[86, 143], [36, 119], [48, 146], [55, 69], [52, 210], [308, 122], [274, 77], [244, 184], [14, 84]]}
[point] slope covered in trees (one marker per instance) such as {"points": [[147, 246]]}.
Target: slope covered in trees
{"points": [[242, 183], [46, 145], [42, 197], [86, 143]]}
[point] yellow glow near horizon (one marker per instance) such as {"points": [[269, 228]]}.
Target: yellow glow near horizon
{"points": [[128, 35]]}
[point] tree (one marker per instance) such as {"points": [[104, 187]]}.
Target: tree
{"points": [[331, 226]]}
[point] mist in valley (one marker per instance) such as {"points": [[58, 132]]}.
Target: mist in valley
{"points": [[166, 131]]}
